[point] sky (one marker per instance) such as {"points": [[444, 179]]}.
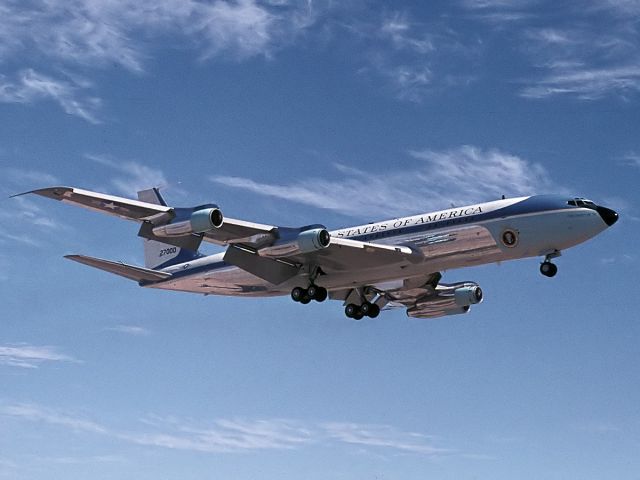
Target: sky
{"points": [[296, 112]]}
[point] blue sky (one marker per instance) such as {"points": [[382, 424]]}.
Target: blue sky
{"points": [[338, 113]]}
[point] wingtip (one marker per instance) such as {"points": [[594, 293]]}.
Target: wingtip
{"points": [[55, 193]]}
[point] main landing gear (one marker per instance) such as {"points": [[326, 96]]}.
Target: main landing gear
{"points": [[547, 268], [367, 309], [305, 295]]}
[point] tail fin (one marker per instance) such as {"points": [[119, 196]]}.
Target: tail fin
{"points": [[159, 255]]}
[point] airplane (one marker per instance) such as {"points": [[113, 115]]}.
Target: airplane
{"points": [[381, 265]]}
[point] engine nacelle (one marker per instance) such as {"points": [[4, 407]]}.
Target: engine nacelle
{"points": [[201, 221], [434, 311], [453, 299], [465, 296], [306, 242]]}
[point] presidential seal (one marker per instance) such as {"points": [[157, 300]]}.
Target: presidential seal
{"points": [[509, 238]]}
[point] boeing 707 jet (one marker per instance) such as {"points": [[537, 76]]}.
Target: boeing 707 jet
{"points": [[391, 263]]}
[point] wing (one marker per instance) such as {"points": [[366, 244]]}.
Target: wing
{"points": [[131, 272], [117, 206], [153, 216], [247, 241]]}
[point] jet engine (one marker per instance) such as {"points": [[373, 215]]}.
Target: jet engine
{"points": [[201, 221], [452, 299], [305, 242]]}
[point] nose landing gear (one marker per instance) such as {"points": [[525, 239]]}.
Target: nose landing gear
{"points": [[547, 268]]}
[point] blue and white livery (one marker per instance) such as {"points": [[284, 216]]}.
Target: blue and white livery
{"points": [[368, 267]]}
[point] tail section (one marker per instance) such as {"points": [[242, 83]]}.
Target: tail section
{"points": [[158, 255]]}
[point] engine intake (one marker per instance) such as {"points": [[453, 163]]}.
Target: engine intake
{"points": [[466, 296], [201, 221], [306, 242]]}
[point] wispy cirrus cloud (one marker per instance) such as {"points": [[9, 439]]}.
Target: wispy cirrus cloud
{"points": [[23, 355], [98, 34], [28, 177], [134, 330], [134, 176], [632, 159], [236, 435], [383, 436], [81, 35], [587, 51], [31, 86], [413, 58], [433, 179]]}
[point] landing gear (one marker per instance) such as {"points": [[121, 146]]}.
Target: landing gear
{"points": [[367, 309], [304, 296], [319, 294], [548, 269]]}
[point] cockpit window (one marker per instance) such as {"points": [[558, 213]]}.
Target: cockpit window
{"points": [[581, 202]]}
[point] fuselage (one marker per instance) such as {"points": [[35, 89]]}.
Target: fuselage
{"points": [[448, 239]]}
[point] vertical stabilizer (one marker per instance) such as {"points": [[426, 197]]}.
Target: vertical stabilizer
{"points": [[159, 255]]}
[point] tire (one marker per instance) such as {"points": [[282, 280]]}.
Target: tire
{"points": [[312, 291], [297, 293], [321, 294], [548, 269], [351, 310], [374, 311]]}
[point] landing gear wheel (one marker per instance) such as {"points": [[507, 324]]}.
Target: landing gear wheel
{"points": [[297, 293], [358, 315], [548, 269], [351, 310], [305, 299], [319, 294], [374, 311]]}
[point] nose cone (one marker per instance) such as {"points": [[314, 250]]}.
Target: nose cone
{"points": [[608, 216]]}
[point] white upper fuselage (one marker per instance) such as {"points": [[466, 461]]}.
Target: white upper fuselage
{"points": [[457, 237]]}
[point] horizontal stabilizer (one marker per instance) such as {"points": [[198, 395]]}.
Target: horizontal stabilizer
{"points": [[139, 274]]}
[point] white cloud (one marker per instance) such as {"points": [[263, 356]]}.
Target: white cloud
{"points": [[23, 176], [585, 83], [36, 413], [136, 175], [129, 330], [100, 33], [240, 435], [242, 27], [413, 59], [632, 159], [32, 86], [23, 211], [433, 180], [383, 436], [30, 356]]}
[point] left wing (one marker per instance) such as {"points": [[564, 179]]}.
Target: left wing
{"points": [[258, 246], [154, 217]]}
